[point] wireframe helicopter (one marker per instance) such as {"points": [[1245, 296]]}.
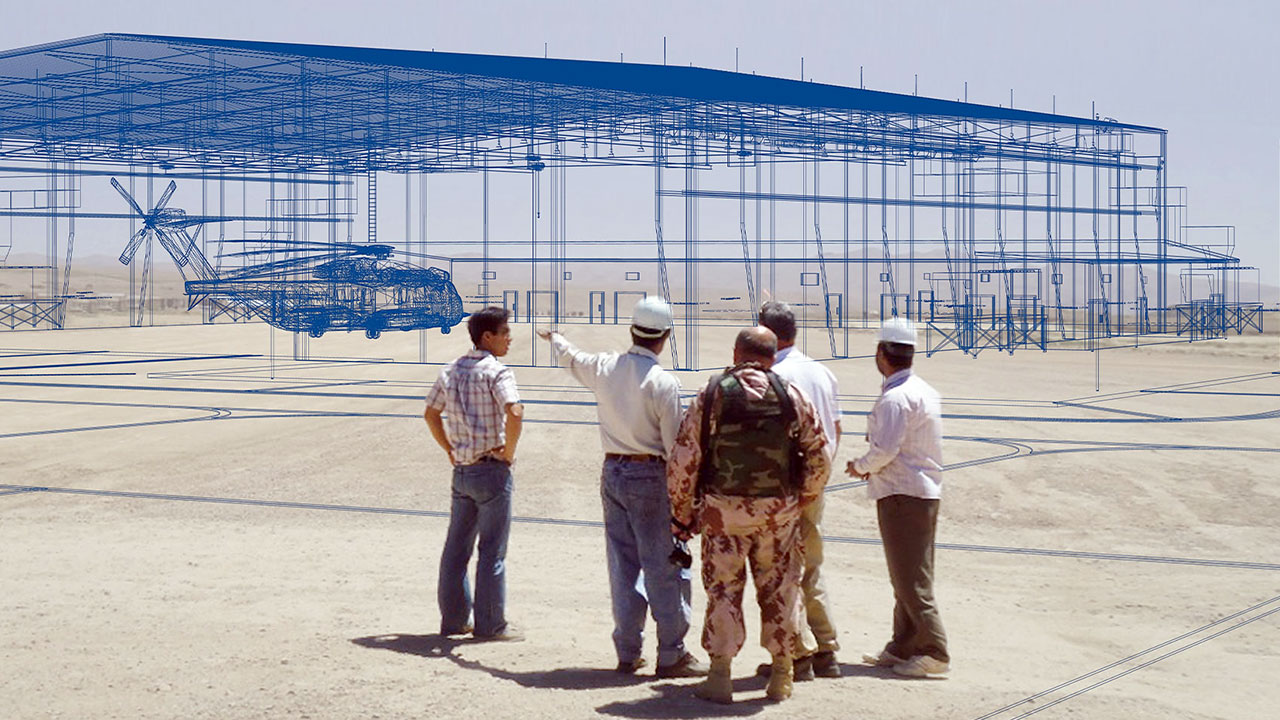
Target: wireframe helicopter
{"points": [[333, 286]]}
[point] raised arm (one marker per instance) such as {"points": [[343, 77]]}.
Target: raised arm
{"points": [[585, 367]]}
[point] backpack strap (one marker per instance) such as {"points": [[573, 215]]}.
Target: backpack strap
{"points": [[795, 455], [708, 400], [784, 399]]}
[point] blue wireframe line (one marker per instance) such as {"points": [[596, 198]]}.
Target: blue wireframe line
{"points": [[1135, 656], [127, 362], [1267, 415], [257, 391], [844, 486], [571, 522], [215, 415], [1231, 380], [20, 491], [1023, 450], [70, 374], [1074, 554], [53, 352], [1099, 408], [222, 414], [1208, 392], [333, 383]]}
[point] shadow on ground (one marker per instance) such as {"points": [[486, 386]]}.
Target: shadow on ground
{"points": [[440, 646], [670, 700], [678, 702]]}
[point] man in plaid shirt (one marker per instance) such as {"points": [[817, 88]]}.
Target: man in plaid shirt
{"points": [[479, 429]]}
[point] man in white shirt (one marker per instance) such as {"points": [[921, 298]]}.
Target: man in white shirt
{"points": [[903, 469], [816, 654], [638, 404]]}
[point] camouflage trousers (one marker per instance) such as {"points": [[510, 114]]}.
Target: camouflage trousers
{"points": [[776, 558]]}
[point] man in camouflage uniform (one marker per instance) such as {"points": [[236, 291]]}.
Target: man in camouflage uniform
{"points": [[765, 460]]}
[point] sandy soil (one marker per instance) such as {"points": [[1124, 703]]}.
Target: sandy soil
{"points": [[249, 537]]}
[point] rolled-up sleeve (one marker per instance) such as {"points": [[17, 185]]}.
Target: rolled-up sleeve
{"points": [[436, 397], [504, 388]]}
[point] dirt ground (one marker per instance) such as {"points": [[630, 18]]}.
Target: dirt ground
{"points": [[193, 529]]}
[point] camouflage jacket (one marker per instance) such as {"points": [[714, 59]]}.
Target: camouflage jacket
{"points": [[731, 514]]}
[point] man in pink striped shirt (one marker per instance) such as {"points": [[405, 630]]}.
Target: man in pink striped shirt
{"points": [[481, 409]]}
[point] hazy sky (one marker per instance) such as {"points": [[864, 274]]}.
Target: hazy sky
{"points": [[1203, 71]]}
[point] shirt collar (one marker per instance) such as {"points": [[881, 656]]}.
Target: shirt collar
{"points": [[478, 353], [896, 379], [783, 353], [644, 351]]}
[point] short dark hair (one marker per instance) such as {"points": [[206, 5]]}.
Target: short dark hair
{"points": [[650, 344], [756, 344], [777, 316], [490, 319], [898, 355]]}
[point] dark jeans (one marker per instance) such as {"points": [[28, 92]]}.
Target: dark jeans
{"points": [[907, 526], [481, 508]]}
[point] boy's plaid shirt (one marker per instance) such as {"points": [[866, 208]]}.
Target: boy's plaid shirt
{"points": [[474, 391]]}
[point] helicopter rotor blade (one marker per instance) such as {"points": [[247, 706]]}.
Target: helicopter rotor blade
{"points": [[280, 266], [333, 250], [438, 259], [283, 245], [127, 197], [173, 246], [126, 257], [179, 241], [164, 198]]}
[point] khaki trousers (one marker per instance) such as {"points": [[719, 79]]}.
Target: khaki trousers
{"points": [[817, 631]]}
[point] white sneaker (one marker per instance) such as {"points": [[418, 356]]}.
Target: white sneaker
{"points": [[922, 666], [884, 658]]}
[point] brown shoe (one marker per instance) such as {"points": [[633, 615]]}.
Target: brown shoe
{"points": [[686, 666], [507, 634], [824, 664], [629, 667]]}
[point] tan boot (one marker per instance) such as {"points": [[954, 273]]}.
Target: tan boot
{"points": [[718, 687], [780, 678]]}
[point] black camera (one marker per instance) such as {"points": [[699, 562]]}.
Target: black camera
{"points": [[680, 553]]}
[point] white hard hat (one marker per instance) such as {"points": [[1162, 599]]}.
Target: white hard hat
{"points": [[651, 318], [898, 330]]}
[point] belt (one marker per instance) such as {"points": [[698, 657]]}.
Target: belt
{"points": [[489, 456], [620, 457]]}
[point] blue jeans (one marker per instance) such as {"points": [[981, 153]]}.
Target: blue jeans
{"points": [[481, 507], [637, 525]]}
